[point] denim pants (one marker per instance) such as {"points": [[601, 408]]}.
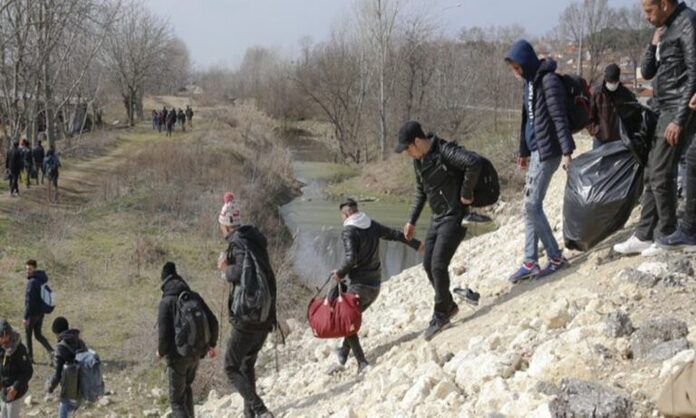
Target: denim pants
{"points": [[67, 408], [10, 409], [536, 225]]}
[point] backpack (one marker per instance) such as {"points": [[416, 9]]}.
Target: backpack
{"points": [[487, 189], [48, 301], [51, 167], [191, 326], [82, 379], [251, 299], [578, 97]]}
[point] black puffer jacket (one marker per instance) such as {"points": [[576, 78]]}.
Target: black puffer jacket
{"points": [[13, 161], [243, 238], [33, 305], [38, 154], [361, 237], [15, 370], [445, 174], [69, 344], [674, 75], [172, 287]]}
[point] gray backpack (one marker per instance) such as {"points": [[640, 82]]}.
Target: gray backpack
{"points": [[82, 379]]}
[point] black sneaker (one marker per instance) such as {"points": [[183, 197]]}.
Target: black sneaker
{"points": [[436, 325], [476, 218], [363, 367], [454, 311], [340, 365], [471, 297]]}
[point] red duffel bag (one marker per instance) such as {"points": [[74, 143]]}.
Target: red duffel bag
{"points": [[334, 317]]}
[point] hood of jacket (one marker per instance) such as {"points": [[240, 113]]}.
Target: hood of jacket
{"points": [[359, 220], [71, 337], [248, 234], [522, 52], [547, 65], [10, 347], [173, 285], [40, 277]]}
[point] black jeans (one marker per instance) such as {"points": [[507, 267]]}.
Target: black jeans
{"points": [[14, 182], [242, 350], [367, 295], [34, 327], [689, 220], [658, 216], [441, 242], [181, 372]]}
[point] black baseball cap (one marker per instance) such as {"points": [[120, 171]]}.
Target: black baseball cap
{"points": [[407, 134], [612, 73], [348, 202]]}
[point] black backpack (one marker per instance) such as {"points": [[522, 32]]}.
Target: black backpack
{"points": [[578, 97], [487, 189], [251, 300], [191, 325]]}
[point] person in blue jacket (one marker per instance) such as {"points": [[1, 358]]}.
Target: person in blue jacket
{"points": [[33, 308]]}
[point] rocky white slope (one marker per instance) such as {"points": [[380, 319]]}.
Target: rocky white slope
{"points": [[599, 338]]}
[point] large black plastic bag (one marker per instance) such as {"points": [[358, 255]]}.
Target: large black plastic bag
{"points": [[604, 185]]}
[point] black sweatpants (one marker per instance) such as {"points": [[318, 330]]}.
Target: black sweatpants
{"points": [[34, 327], [441, 242], [181, 373], [367, 295], [658, 216], [242, 351], [14, 182]]}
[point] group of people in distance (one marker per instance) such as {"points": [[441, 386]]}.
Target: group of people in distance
{"points": [[23, 161], [167, 119]]}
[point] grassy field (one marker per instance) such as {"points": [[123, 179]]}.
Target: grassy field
{"points": [[131, 200]]}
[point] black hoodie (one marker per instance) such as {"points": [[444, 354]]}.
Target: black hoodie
{"points": [[15, 368], [32, 299], [243, 238], [172, 287], [69, 344]]}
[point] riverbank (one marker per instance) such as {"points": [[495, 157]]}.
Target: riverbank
{"points": [[139, 201]]}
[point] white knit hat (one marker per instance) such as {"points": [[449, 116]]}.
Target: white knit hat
{"points": [[230, 215]]}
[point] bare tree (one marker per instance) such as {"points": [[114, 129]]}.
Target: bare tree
{"points": [[634, 35]]}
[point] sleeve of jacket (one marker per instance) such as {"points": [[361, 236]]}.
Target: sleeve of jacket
{"points": [[418, 198], [30, 299], [555, 95], [467, 162], [350, 248], [234, 270], [593, 127], [214, 325], [649, 64], [524, 149], [165, 327], [26, 370], [390, 234], [688, 40], [59, 360]]}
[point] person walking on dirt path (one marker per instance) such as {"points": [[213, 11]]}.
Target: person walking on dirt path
{"points": [[13, 165], [363, 268], [27, 163], [38, 154], [33, 308], [246, 244], [445, 176], [52, 169], [545, 144], [69, 344], [155, 121], [15, 371], [171, 121], [181, 369], [162, 121], [611, 104], [189, 116], [670, 61], [181, 117]]}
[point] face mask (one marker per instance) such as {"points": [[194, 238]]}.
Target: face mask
{"points": [[612, 86]]}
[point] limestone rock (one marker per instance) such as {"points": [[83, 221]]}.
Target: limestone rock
{"points": [[579, 398], [672, 365], [557, 315], [637, 277], [655, 332], [667, 349], [618, 324]]}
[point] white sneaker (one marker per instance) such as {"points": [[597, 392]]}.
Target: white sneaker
{"points": [[632, 246], [653, 251]]}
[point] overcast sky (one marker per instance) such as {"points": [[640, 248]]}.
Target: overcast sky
{"points": [[218, 32]]}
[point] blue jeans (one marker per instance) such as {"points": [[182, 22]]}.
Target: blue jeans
{"points": [[67, 407], [536, 225]]}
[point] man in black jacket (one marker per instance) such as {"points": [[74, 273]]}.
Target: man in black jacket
{"points": [[363, 266], [38, 154], [246, 338], [33, 308], [446, 175], [611, 104], [670, 61], [181, 370], [69, 344], [14, 165], [15, 371], [545, 143]]}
